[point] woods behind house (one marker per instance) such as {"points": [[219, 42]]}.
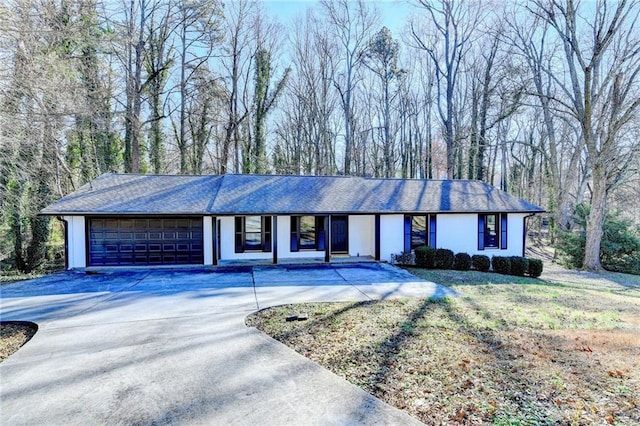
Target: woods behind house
{"points": [[537, 97]]}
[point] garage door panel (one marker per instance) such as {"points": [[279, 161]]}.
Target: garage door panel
{"points": [[145, 241]]}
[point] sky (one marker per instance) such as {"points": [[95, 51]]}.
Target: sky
{"points": [[393, 13]]}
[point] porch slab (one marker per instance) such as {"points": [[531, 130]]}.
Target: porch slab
{"points": [[297, 261]]}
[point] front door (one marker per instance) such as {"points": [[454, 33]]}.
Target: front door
{"points": [[339, 234]]}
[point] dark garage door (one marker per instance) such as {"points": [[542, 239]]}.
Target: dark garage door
{"points": [[145, 241]]}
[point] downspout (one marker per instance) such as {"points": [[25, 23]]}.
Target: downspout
{"points": [[524, 234], [66, 241]]}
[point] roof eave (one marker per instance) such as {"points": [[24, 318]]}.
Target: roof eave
{"points": [[271, 213]]}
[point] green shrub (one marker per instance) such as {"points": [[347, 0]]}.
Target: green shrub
{"points": [[535, 268], [444, 258], [519, 266], [619, 248], [462, 262], [425, 257], [501, 265], [481, 262]]}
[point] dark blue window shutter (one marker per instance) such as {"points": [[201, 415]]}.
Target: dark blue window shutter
{"points": [[266, 233], [294, 233], [432, 230], [407, 233], [480, 232], [503, 231], [239, 231], [320, 233]]}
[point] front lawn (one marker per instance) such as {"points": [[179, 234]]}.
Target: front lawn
{"points": [[564, 349]]}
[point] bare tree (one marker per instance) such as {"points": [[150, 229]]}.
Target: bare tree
{"points": [[446, 42], [158, 61], [306, 132], [203, 111], [351, 23], [236, 61], [198, 34], [602, 93], [134, 44], [562, 154], [382, 60]]}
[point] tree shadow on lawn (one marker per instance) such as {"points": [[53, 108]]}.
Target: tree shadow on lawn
{"points": [[554, 375], [527, 374], [321, 322]]}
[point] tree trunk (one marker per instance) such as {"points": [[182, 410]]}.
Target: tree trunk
{"points": [[595, 220]]}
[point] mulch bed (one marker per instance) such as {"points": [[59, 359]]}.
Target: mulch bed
{"points": [[13, 335]]}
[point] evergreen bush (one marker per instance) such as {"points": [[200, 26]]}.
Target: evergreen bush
{"points": [[619, 248], [481, 262], [535, 268], [462, 262], [425, 257], [519, 266], [444, 259], [501, 264]]}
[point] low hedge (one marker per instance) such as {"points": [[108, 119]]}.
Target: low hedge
{"points": [[519, 266], [535, 268], [462, 262], [430, 258], [501, 265], [481, 262], [444, 258], [425, 257]]}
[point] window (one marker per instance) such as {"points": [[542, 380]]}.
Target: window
{"points": [[419, 230], [307, 233], [492, 231], [253, 233]]}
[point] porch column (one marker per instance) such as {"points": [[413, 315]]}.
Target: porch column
{"points": [[274, 238], [377, 237], [207, 243], [214, 232], [327, 240]]}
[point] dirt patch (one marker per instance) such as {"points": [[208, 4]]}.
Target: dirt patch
{"points": [[13, 335], [531, 352]]}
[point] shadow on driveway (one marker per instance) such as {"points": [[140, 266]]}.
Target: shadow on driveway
{"points": [[163, 346]]}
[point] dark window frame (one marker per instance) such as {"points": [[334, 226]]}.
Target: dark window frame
{"points": [[297, 234], [496, 238], [240, 233], [430, 231]]}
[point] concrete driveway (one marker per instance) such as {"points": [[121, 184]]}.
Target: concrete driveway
{"points": [[169, 346]]}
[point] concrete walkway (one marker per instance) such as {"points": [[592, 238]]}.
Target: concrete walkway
{"points": [[170, 347]]}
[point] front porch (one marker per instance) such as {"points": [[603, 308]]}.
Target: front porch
{"points": [[293, 239], [298, 261]]}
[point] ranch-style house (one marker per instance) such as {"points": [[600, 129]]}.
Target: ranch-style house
{"points": [[131, 220]]}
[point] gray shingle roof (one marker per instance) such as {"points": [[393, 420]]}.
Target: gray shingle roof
{"points": [[274, 194], [453, 196], [135, 194]]}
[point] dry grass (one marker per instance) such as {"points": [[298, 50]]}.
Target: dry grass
{"points": [[544, 351], [8, 277]]}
